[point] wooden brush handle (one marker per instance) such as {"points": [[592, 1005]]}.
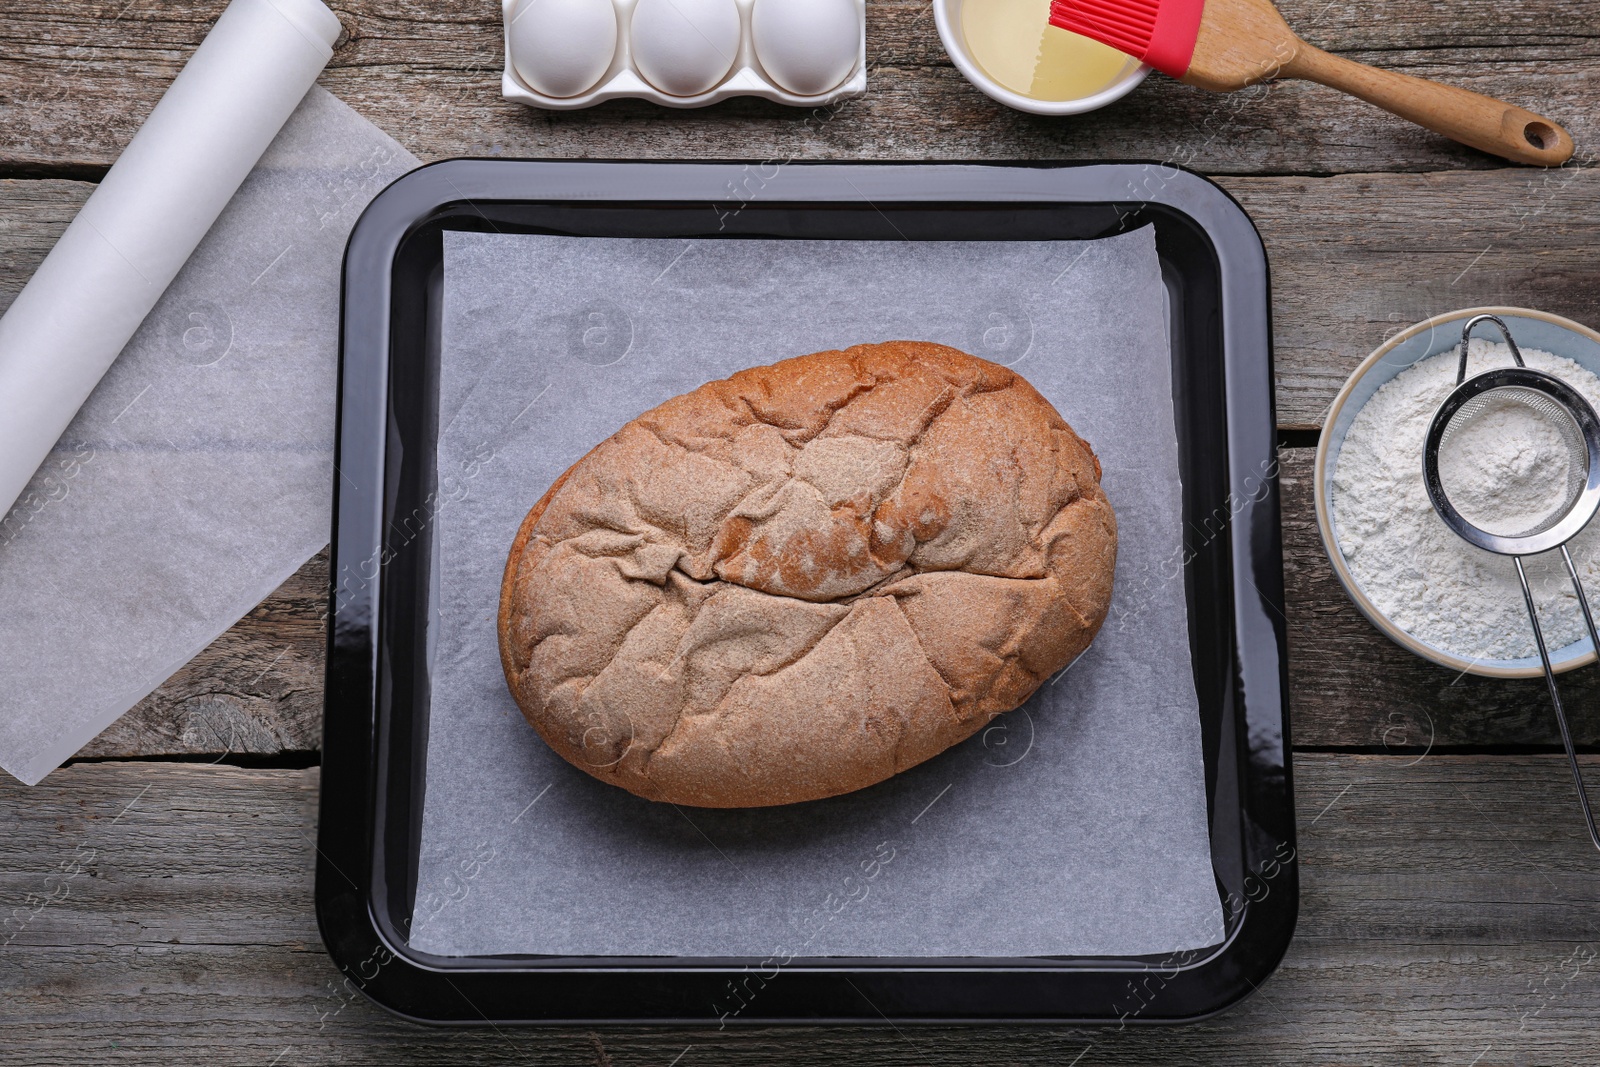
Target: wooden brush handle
{"points": [[1480, 121]]}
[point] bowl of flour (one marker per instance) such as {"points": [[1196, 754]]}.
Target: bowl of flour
{"points": [[1427, 589]]}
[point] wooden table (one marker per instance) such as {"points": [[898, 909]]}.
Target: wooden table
{"points": [[1450, 909]]}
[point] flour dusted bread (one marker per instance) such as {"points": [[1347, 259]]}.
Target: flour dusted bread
{"points": [[807, 577]]}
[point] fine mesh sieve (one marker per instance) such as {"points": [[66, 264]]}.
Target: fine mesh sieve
{"points": [[1555, 404], [1541, 408]]}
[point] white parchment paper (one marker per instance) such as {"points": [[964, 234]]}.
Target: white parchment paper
{"points": [[199, 474], [147, 216], [1074, 825]]}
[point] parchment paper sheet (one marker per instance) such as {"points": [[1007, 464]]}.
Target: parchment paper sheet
{"points": [[146, 217], [1074, 825], [199, 474]]}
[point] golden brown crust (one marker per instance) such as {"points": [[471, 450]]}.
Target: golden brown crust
{"points": [[800, 580]]}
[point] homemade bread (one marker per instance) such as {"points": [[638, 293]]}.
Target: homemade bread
{"points": [[805, 578]]}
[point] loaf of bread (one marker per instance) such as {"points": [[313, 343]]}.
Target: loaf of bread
{"points": [[805, 578]]}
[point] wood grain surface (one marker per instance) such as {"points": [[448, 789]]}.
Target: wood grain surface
{"points": [[1355, 258], [77, 78], [160, 911], [1424, 244], [1450, 909], [257, 689]]}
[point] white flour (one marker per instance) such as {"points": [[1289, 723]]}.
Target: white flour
{"points": [[1508, 471]]}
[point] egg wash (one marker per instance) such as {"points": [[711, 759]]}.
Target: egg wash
{"points": [[1014, 43]]}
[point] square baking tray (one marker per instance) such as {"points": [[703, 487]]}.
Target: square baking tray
{"points": [[377, 685]]}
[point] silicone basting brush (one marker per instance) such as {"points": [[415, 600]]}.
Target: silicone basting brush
{"points": [[1224, 45]]}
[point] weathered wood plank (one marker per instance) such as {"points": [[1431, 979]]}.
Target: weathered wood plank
{"points": [[1408, 246], [1356, 258], [32, 216], [1448, 908], [259, 685], [77, 78]]}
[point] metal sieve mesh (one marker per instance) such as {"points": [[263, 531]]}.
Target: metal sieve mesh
{"points": [[1547, 410]]}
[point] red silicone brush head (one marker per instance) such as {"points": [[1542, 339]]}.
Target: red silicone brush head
{"points": [[1158, 32]]}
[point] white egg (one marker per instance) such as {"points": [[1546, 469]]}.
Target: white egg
{"points": [[807, 46], [562, 47], [684, 47]]}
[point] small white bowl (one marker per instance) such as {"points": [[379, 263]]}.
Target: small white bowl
{"points": [[1442, 333], [947, 15]]}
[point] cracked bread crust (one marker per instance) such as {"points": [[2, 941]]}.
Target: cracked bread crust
{"points": [[808, 577]]}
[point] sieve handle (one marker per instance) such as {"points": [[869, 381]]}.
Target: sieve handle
{"points": [[1550, 679], [1511, 342]]}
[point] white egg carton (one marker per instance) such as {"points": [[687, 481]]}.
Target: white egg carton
{"points": [[622, 79]]}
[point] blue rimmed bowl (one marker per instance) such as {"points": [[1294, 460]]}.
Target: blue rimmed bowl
{"points": [[1442, 333]]}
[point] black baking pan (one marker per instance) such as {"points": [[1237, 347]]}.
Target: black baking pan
{"points": [[377, 689]]}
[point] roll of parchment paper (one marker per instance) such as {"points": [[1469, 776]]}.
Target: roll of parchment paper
{"points": [[128, 242]]}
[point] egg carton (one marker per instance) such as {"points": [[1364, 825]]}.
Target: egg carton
{"points": [[623, 81]]}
